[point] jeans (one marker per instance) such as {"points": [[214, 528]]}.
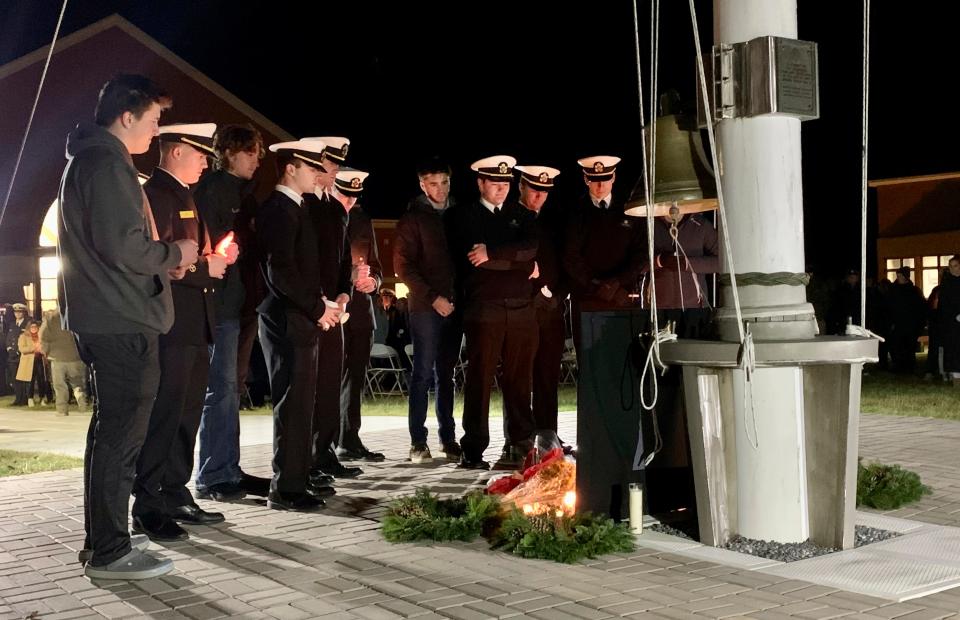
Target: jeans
{"points": [[126, 371], [436, 349], [220, 425]]}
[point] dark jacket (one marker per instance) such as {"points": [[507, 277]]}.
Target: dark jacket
{"points": [[421, 254], [113, 274], [194, 296], [511, 241], [550, 232], [330, 225], [291, 262], [603, 255], [363, 246], [683, 286], [220, 198]]}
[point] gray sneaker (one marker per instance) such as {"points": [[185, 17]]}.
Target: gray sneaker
{"points": [[134, 565], [420, 453], [137, 541]]}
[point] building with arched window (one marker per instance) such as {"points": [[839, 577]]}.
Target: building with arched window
{"points": [[82, 62]]}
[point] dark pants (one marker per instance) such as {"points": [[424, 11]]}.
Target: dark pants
{"points": [[326, 409], [505, 333], [291, 357], [166, 460], [220, 423], [903, 351], [248, 335], [436, 350], [126, 374], [546, 367], [609, 359], [357, 341]]}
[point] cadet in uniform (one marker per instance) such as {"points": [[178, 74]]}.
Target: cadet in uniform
{"points": [[603, 256], [367, 275], [291, 318], [495, 244], [166, 459], [549, 289]]}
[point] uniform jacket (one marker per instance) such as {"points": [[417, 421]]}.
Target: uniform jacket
{"points": [[684, 287], [603, 255], [113, 274], [330, 225], [550, 235], [194, 296], [421, 253], [290, 260], [363, 245], [511, 241]]}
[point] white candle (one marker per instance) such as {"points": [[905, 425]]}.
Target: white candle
{"points": [[636, 508]]}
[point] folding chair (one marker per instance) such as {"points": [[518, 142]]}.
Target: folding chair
{"points": [[385, 374]]}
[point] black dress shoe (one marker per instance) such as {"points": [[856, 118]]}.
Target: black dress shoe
{"points": [[159, 528], [466, 463], [195, 515], [320, 490], [223, 492], [319, 478], [339, 470], [297, 502], [360, 453], [255, 485]]}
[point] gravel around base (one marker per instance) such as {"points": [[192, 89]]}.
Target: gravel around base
{"points": [[791, 552]]}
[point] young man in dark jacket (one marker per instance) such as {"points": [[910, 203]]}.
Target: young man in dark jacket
{"points": [[422, 259], [224, 197], [116, 298], [166, 459]]}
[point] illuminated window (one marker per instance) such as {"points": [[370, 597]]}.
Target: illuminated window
{"points": [[933, 267]]}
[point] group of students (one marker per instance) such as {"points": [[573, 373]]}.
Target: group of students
{"points": [[165, 286]]}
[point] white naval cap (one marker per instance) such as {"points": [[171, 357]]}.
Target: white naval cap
{"points": [[495, 168], [599, 167], [350, 182], [197, 135], [337, 147], [538, 177], [309, 151]]}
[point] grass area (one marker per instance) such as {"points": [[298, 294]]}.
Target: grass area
{"points": [[6, 401], [13, 463], [890, 394], [397, 405]]}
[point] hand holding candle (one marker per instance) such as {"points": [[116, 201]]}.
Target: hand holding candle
{"points": [[228, 249]]}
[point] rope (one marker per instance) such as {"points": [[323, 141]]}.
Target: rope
{"points": [[33, 111], [863, 170], [746, 359], [758, 278]]}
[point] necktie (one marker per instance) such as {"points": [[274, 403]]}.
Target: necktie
{"points": [[603, 204], [496, 210]]}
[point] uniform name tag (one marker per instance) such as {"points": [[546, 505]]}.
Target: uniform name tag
{"points": [[186, 215]]}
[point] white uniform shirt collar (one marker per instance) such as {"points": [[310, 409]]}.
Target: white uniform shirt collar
{"points": [[292, 195]]}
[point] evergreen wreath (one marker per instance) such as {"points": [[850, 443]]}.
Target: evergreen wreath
{"points": [[425, 516], [561, 539]]}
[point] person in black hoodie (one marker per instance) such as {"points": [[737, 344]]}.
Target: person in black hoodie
{"points": [[291, 317], [225, 200], [422, 259], [367, 275], [115, 279], [948, 319], [166, 460], [495, 244]]}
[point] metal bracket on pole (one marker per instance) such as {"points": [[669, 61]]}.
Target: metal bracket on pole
{"points": [[766, 75]]}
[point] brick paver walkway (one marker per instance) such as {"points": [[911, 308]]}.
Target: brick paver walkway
{"points": [[268, 564]]}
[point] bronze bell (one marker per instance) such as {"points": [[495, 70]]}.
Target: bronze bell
{"points": [[684, 178]]}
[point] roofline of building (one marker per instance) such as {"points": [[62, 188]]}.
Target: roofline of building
{"points": [[116, 20], [916, 179]]}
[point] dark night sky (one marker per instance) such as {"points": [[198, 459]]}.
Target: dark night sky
{"points": [[404, 79]]}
